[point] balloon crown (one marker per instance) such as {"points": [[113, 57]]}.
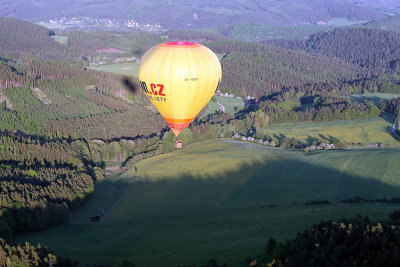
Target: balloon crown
{"points": [[180, 44]]}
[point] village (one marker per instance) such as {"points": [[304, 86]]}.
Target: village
{"points": [[97, 23]]}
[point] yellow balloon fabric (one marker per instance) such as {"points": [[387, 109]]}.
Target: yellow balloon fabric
{"points": [[179, 79]]}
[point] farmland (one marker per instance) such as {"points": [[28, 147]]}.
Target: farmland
{"points": [[354, 132], [130, 68], [221, 199]]}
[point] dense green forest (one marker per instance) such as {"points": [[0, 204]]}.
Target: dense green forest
{"points": [[41, 179], [28, 255], [254, 69], [375, 51], [345, 242], [390, 23]]}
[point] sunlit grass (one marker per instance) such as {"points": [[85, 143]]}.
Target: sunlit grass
{"points": [[61, 39], [130, 68], [357, 132], [220, 199]]}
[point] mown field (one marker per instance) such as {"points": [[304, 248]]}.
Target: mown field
{"points": [[221, 199], [374, 97], [130, 68], [61, 39], [230, 104], [355, 132]]}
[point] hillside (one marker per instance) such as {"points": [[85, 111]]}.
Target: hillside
{"points": [[256, 70], [110, 45], [71, 100], [18, 37], [208, 209], [391, 23], [375, 51]]}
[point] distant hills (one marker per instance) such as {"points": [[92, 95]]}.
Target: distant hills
{"points": [[202, 14], [391, 23]]}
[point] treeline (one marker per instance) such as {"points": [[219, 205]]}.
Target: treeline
{"points": [[193, 36], [19, 37], [390, 23], [374, 51], [28, 255], [323, 109], [392, 106], [93, 44], [345, 242], [256, 70], [135, 121], [87, 43], [42, 179]]}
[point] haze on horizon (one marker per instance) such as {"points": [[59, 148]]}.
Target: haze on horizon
{"points": [[203, 14]]}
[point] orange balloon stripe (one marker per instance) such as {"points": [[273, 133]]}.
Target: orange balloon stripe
{"points": [[170, 120], [178, 125]]}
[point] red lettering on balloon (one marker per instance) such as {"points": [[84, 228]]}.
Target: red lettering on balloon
{"points": [[161, 89], [153, 86]]}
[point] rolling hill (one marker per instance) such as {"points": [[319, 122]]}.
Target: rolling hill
{"points": [[224, 202], [391, 23], [18, 37], [375, 51], [256, 70]]}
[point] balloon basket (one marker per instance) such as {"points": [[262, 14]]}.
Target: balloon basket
{"points": [[178, 145]]}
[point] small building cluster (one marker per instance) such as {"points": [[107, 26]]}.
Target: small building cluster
{"points": [[255, 140], [321, 146]]}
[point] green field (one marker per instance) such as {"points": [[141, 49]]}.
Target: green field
{"points": [[374, 97], [212, 107], [61, 39], [354, 132], [230, 103], [220, 199], [130, 68]]}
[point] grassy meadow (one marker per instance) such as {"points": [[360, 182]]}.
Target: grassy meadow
{"points": [[354, 132], [220, 199], [130, 68], [374, 97], [61, 39], [230, 103]]}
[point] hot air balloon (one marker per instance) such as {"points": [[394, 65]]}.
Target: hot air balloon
{"points": [[179, 79]]}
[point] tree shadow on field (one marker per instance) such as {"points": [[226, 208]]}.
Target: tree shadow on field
{"points": [[282, 179], [311, 140], [387, 117]]}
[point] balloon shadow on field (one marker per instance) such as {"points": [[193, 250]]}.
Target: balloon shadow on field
{"points": [[232, 206], [129, 85]]}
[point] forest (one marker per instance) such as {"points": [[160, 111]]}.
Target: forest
{"points": [[356, 241]]}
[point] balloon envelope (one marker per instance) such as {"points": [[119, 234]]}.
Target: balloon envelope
{"points": [[179, 79]]}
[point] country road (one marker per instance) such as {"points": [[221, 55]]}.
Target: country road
{"points": [[393, 131], [221, 107]]}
